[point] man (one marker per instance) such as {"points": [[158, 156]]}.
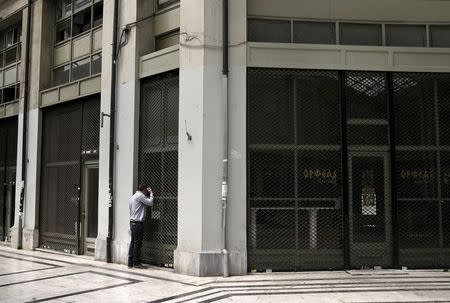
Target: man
{"points": [[138, 204]]}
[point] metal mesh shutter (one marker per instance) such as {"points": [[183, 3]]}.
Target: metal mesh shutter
{"points": [[294, 170], [8, 159], [393, 208], [158, 165], [369, 201], [70, 136], [422, 108]]}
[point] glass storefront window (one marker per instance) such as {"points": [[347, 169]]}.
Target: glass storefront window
{"points": [[414, 109], [271, 99], [318, 109]]}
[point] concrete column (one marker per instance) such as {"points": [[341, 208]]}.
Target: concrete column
{"points": [[200, 160], [237, 174], [126, 126], [40, 71]]}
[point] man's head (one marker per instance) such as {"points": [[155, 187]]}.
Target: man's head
{"points": [[144, 188]]}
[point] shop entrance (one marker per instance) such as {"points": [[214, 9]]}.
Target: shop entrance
{"points": [[89, 208], [369, 210], [347, 169], [8, 155]]}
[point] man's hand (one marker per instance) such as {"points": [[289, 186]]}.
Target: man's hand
{"points": [[149, 190]]}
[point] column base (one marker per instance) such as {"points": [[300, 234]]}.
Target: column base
{"points": [[100, 249], [30, 239], [119, 253], [207, 264]]}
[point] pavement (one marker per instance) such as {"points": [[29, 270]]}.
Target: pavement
{"points": [[41, 276]]}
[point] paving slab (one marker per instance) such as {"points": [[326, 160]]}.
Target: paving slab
{"points": [[46, 276]]}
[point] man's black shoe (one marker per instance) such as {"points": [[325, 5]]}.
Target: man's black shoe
{"points": [[140, 266], [130, 266]]}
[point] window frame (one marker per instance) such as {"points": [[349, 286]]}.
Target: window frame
{"points": [[91, 6], [168, 4], [338, 30], [16, 29]]}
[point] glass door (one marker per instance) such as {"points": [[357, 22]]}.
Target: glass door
{"points": [[89, 209], [370, 210]]}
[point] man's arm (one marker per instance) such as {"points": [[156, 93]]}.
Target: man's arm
{"points": [[147, 201]]}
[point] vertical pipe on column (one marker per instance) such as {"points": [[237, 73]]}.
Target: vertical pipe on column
{"points": [[112, 134], [26, 98], [225, 157]]}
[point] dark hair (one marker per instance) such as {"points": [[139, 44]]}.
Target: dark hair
{"points": [[142, 187]]}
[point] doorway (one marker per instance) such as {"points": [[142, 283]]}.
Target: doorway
{"points": [[370, 210], [89, 208]]}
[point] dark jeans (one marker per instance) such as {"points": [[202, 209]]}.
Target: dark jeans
{"points": [[134, 253]]}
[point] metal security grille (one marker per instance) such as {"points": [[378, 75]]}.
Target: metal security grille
{"points": [[294, 170], [348, 169], [369, 201], [8, 158], [158, 165], [70, 137], [422, 108]]}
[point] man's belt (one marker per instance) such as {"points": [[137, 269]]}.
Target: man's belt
{"points": [[136, 222]]}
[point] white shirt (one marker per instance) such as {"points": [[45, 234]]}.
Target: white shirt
{"points": [[138, 204]]}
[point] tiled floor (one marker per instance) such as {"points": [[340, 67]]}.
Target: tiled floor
{"points": [[39, 276]]}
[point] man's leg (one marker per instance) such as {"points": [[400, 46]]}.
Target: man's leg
{"points": [[139, 235], [132, 244]]}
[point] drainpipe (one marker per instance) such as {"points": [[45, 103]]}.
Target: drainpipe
{"points": [[112, 135], [225, 265], [26, 98]]}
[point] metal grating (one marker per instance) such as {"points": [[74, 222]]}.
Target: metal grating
{"points": [[8, 158], [69, 131], [302, 214], [158, 165], [294, 204], [422, 105]]}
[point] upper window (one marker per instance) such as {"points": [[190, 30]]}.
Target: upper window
{"points": [[360, 34], [406, 35], [166, 3], [76, 17], [347, 33], [264, 30], [314, 32], [10, 52], [63, 9], [440, 36], [167, 40]]}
